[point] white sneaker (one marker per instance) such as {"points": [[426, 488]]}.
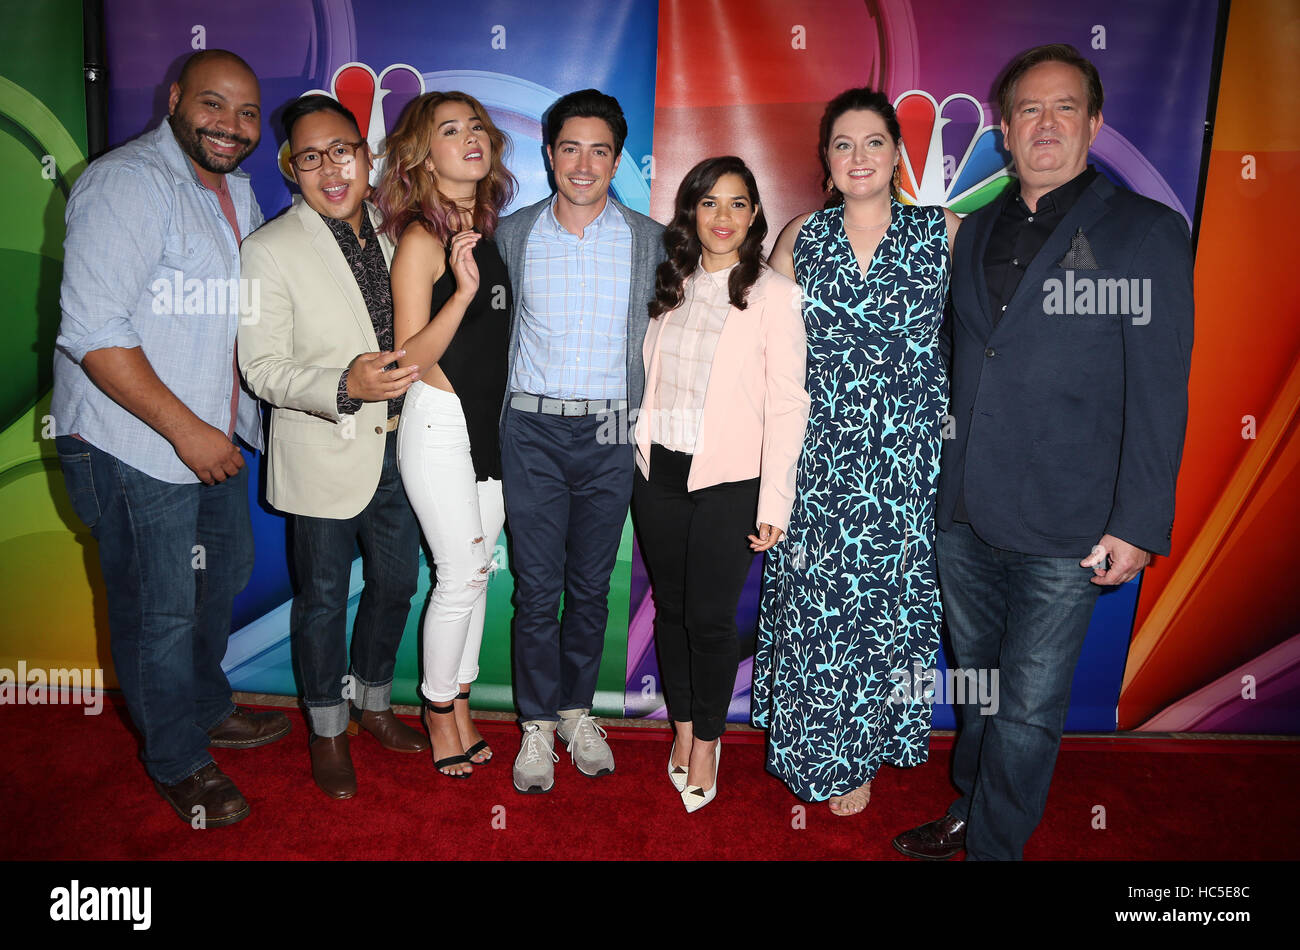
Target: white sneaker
{"points": [[534, 770], [586, 741]]}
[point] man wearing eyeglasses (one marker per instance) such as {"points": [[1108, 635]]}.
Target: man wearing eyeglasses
{"points": [[319, 349]]}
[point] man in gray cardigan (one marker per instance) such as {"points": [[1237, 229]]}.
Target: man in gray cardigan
{"points": [[583, 269]]}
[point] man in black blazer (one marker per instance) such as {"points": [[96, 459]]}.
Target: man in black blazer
{"points": [[1071, 338]]}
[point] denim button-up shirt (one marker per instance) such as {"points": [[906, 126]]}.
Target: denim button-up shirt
{"points": [[150, 261]]}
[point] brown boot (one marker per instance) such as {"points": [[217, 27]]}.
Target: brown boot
{"points": [[246, 729], [331, 766], [393, 734], [206, 799]]}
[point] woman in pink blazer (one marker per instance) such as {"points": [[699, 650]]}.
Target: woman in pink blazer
{"points": [[717, 438]]}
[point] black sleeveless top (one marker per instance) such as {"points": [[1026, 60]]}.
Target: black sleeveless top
{"points": [[475, 360]]}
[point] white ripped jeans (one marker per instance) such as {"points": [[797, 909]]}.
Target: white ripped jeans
{"points": [[461, 519]]}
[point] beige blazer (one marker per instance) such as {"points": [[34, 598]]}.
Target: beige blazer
{"points": [[307, 323], [755, 406]]}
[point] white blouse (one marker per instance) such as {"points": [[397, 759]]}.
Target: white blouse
{"points": [[688, 340]]}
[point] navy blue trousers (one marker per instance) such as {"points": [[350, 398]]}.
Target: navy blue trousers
{"points": [[567, 483]]}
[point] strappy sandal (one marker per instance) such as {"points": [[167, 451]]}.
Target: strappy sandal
{"points": [[479, 746], [863, 790], [449, 760]]}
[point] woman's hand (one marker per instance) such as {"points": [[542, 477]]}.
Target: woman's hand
{"points": [[460, 258], [767, 536]]}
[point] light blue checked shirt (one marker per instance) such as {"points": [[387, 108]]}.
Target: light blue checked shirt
{"points": [[573, 315], [150, 261]]}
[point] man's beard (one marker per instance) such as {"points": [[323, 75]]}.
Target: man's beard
{"points": [[192, 143]]}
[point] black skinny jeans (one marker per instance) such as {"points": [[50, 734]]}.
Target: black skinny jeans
{"points": [[696, 547]]}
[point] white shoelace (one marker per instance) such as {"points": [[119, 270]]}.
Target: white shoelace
{"points": [[534, 746], [588, 733]]}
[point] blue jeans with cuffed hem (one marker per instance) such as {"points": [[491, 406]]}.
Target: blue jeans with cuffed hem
{"points": [[1026, 616], [173, 558], [322, 552]]}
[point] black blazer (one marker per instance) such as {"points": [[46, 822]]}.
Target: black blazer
{"points": [[1069, 424]]}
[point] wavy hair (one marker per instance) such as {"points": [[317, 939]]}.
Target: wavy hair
{"points": [[850, 100], [408, 191], [682, 240]]}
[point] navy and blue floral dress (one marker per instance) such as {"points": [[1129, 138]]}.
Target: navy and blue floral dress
{"points": [[850, 612]]}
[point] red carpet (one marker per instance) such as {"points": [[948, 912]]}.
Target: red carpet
{"points": [[73, 789]]}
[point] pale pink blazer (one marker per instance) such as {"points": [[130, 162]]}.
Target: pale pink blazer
{"points": [[755, 406]]}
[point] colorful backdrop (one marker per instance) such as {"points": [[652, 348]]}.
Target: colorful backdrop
{"points": [[939, 63], [377, 57], [49, 576], [1216, 645], [1206, 640]]}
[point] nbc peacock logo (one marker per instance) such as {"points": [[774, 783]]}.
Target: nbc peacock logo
{"points": [[375, 99], [951, 156]]}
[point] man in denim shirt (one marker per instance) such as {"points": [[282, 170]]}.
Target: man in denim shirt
{"points": [[147, 402]]}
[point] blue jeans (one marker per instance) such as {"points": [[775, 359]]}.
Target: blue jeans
{"points": [[321, 556], [1026, 616], [567, 497], [173, 558]]}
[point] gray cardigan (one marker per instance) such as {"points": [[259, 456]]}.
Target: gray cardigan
{"points": [[647, 253]]}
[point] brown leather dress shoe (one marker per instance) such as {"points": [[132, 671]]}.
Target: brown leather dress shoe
{"points": [[245, 729], [206, 799], [934, 840], [331, 766], [393, 734]]}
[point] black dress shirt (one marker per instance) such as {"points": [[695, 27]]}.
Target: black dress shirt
{"points": [[371, 273], [1019, 234]]}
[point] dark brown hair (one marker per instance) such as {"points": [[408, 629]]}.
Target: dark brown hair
{"points": [[682, 241], [1051, 53], [850, 100]]}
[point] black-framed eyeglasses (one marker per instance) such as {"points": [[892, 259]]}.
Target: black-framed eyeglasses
{"points": [[310, 159]]}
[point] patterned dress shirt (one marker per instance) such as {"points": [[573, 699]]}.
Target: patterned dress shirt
{"points": [[371, 272]]}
